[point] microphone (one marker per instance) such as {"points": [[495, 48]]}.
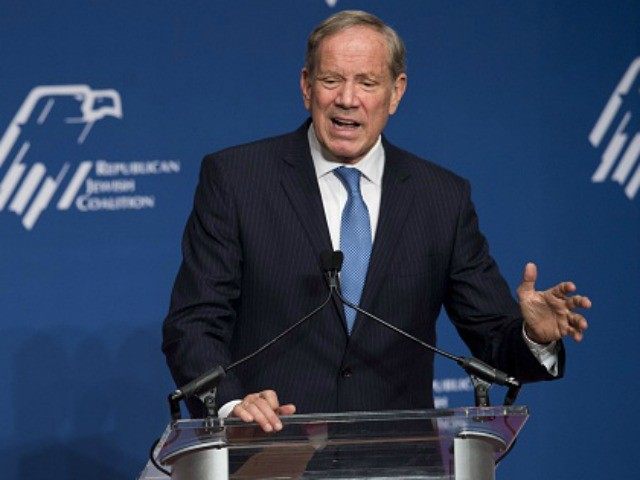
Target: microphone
{"points": [[482, 374], [331, 263], [205, 386], [207, 382]]}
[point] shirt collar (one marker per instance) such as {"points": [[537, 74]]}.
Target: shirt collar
{"points": [[371, 165]]}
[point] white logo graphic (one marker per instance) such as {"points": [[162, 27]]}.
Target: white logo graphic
{"points": [[331, 3], [620, 122], [26, 189], [443, 387]]}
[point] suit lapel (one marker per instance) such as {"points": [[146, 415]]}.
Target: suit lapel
{"points": [[300, 184], [395, 205], [301, 187]]}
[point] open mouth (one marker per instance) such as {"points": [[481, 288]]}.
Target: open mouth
{"points": [[344, 123]]}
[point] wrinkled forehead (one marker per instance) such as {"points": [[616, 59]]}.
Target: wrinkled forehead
{"points": [[354, 40]]}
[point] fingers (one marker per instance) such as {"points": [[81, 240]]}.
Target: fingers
{"points": [[573, 325], [529, 277], [263, 408], [264, 416], [578, 301], [270, 397], [242, 412], [561, 290], [578, 322], [288, 409]]}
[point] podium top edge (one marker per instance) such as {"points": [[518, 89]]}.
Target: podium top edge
{"points": [[386, 415]]}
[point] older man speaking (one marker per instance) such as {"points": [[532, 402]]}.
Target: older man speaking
{"points": [[265, 211]]}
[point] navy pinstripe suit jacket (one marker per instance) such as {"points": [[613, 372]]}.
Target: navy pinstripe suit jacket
{"points": [[251, 268]]}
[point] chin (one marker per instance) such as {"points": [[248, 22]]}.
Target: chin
{"points": [[345, 155]]}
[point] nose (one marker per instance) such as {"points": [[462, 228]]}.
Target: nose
{"points": [[347, 96]]}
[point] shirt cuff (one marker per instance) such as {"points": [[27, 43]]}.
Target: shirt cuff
{"points": [[547, 354], [226, 409]]}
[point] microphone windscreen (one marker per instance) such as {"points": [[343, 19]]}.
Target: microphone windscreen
{"points": [[331, 261], [337, 259]]}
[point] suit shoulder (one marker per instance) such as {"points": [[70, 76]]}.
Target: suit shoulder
{"points": [[261, 151], [426, 170]]}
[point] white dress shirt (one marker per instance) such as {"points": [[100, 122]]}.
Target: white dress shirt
{"points": [[334, 194]]}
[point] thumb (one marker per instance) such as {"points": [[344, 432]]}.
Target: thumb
{"points": [[529, 277]]}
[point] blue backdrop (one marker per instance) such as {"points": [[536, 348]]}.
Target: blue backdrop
{"points": [[537, 103]]}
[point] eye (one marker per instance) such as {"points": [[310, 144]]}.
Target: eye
{"points": [[330, 82], [368, 84]]}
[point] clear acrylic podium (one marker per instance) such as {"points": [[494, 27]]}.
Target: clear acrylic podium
{"points": [[457, 444]]}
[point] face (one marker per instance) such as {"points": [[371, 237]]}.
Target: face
{"points": [[351, 94]]}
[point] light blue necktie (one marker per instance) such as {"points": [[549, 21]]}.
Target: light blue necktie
{"points": [[355, 241]]}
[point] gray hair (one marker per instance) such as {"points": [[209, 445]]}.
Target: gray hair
{"points": [[356, 18]]}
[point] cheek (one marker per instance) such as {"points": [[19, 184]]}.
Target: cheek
{"points": [[382, 108], [322, 99], [321, 105]]}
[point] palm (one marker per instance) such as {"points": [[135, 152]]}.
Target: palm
{"points": [[543, 314]]}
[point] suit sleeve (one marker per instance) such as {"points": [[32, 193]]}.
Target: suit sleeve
{"points": [[480, 304], [205, 299]]}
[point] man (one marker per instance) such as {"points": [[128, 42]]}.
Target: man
{"points": [[264, 212]]}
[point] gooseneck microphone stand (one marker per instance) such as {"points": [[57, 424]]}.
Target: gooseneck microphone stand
{"points": [[482, 375]]}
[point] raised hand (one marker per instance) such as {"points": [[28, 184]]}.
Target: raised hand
{"points": [[549, 315]]}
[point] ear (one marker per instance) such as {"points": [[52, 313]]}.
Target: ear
{"points": [[305, 87], [398, 89]]}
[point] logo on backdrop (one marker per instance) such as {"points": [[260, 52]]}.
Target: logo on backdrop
{"points": [[617, 134], [43, 155], [331, 3], [443, 388]]}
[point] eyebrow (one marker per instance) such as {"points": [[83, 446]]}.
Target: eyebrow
{"points": [[358, 76]]}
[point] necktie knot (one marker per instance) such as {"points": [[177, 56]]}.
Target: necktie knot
{"points": [[350, 178]]}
